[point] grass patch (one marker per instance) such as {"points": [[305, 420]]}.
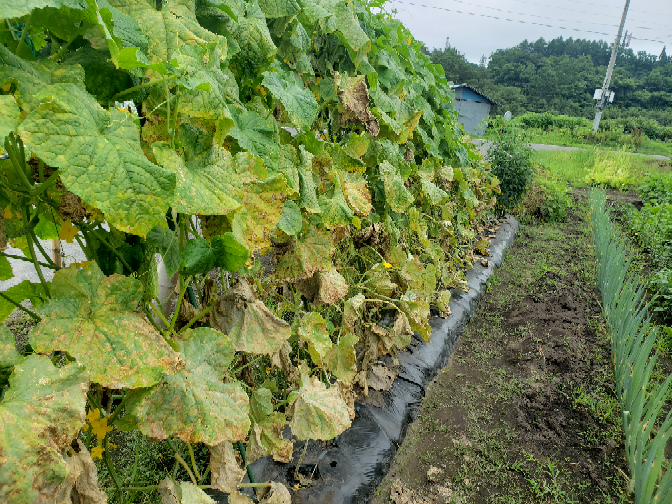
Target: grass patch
{"points": [[572, 166]]}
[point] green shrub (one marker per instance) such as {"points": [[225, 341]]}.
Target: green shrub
{"points": [[511, 158], [547, 199], [661, 286], [653, 227], [611, 169], [656, 189]]}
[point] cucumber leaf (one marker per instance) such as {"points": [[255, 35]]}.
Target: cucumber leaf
{"points": [[298, 101], [42, 412], [98, 326], [194, 404], [100, 157], [250, 325], [319, 413]]}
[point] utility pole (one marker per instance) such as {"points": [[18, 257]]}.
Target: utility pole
{"points": [[606, 96]]}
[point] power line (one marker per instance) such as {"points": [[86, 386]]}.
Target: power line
{"points": [[589, 12], [535, 15], [544, 25]]}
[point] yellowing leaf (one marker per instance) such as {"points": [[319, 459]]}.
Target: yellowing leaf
{"points": [[41, 412], [68, 231], [319, 413], [103, 163], [250, 325], [95, 321], [194, 404], [310, 253], [313, 330]]}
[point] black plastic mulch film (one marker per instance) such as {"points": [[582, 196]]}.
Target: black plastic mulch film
{"points": [[350, 471]]}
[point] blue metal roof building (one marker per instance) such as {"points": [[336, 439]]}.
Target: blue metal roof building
{"points": [[473, 108]]}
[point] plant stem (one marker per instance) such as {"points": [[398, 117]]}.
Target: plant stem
{"points": [[161, 316], [13, 149], [193, 461], [155, 82], [46, 184], [167, 88], [29, 238], [112, 471], [298, 464], [254, 485], [198, 316], [179, 458], [114, 251], [241, 450], [183, 288], [23, 35], [22, 258], [112, 416], [20, 306], [41, 249], [172, 136], [238, 370], [65, 47]]}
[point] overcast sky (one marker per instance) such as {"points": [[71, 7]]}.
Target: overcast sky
{"points": [[474, 30]]}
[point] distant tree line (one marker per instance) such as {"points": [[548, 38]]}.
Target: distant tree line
{"points": [[560, 76]]}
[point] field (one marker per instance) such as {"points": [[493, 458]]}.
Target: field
{"points": [[525, 411], [271, 199]]}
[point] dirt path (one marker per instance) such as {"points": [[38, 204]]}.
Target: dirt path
{"points": [[525, 410]]}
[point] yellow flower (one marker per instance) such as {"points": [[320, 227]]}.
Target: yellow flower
{"points": [[100, 428], [93, 415], [317, 81], [112, 445], [98, 425], [409, 41], [387, 265], [85, 427], [97, 452]]}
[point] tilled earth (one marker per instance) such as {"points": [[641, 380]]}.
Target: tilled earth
{"points": [[525, 410]]}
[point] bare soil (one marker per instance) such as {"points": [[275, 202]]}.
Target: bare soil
{"points": [[525, 410]]}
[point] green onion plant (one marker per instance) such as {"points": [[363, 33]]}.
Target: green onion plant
{"points": [[632, 340]]}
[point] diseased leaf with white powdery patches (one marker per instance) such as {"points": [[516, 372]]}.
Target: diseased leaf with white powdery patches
{"points": [[194, 404], [8, 353], [250, 325], [41, 413], [319, 413], [310, 253], [170, 27], [99, 327], [100, 157]]}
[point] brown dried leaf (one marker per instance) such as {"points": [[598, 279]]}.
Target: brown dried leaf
{"points": [[345, 390], [81, 484], [266, 438], [354, 97], [182, 492], [250, 325], [277, 493], [238, 498], [226, 471], [324, 287], [282, 361], [443, 302], [380, 377], [352, 313]]}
